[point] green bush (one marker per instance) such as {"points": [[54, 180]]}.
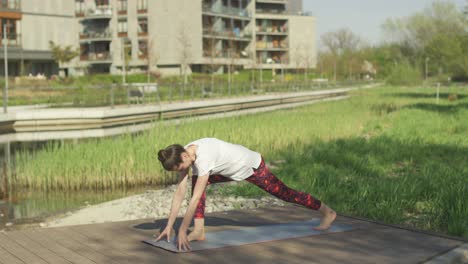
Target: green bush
{"points": [[404, 74]]}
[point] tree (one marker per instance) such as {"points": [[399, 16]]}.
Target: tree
{"points": [[63, 54], [436, 33], [341, 44], [185, 57], [151, 59], [233, 56]]}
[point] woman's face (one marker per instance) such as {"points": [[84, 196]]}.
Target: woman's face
{"points": [[186, 162]]}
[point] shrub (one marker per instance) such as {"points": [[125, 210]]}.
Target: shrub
{"points": [[404, 74]]}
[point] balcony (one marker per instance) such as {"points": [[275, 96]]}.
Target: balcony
{"points": [[272, 30], [223, 54], [97, 57], [272, 11], [13, 40], [273, 45], [273, 1], [100, 12], [227, 11], [10, 5], [96, 35], [228, 34]]}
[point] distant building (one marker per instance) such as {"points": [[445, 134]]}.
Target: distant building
{"points": [[208, 35], [30, 25]]}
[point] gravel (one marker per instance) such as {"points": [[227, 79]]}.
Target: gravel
{"points": [[155, 204]]}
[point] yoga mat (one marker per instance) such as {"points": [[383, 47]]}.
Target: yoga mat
{"points": [[251, 235]]}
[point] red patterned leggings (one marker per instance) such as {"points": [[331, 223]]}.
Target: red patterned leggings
{"points": [[266, 180]]}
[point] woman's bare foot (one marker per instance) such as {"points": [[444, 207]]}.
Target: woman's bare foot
{"points": [[196, 235], [328, 216]]}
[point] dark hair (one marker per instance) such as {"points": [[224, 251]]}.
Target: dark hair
{"points": [[170, 156]]}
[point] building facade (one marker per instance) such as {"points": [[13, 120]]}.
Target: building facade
{"points": [[170, 36], [29, 27]]}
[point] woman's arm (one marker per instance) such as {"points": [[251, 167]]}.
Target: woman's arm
{"points": [[197, 193], [178, 197]]}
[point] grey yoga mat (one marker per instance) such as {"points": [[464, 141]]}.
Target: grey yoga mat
{"points": [[251, 235]]}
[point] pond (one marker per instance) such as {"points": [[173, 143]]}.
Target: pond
{"points": [[34, 206], [28, 207]]}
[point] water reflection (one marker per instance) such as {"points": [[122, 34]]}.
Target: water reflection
{"points": [[26, 206], [33, 207]]}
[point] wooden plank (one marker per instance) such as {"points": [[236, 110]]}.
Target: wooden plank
{"points": [[96, 243], [55, 246], [7, 258], [18, 251], [68, 239], [36, 248], [121, 239]]}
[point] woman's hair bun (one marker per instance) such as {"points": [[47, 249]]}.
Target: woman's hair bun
{"points": [[162, 155]]}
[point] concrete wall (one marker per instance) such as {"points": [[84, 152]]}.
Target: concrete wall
{"points": [[302, 41], [48, 20], [294, 6], [173, 25]]}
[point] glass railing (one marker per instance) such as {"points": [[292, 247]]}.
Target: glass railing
{"points": [[273, 29], [272, 11], [10, 4], [96, 34], [13, 39], [228, 33], [273, 1], [96, 56], [271, 45], [100, 11], [223, 54], [284, 60], [232, 11]]}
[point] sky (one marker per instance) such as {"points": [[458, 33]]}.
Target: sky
{"points": [[363, 17]]}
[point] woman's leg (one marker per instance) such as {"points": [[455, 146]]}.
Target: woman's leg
{"points": [[266, 180], [199, 216]]}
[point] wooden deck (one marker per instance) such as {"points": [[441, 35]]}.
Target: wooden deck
{"points": [[121, 243]]}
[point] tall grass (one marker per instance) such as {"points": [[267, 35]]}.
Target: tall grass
{"points": [[391, 154]]}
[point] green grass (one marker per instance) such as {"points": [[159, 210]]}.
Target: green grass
{"points": [[390, 154]]}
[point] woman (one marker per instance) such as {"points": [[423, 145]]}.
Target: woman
{"points": [[213, 160]]}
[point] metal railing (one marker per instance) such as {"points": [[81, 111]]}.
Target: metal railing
{"points": [[113, 95]]}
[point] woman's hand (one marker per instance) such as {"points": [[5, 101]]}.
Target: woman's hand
{"points": [[166, 232], [182, 241]]}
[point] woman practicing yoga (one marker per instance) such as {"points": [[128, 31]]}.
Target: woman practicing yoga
{"points": [[212, 161]]}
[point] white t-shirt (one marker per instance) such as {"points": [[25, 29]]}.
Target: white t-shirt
{"points": [[217, 157]]}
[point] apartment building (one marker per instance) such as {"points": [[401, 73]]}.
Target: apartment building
{"points": [[29, 26], [114, 36]]}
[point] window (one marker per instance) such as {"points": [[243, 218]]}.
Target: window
{"points": [[142, 49], [10, 4], [142, 26], [142, 5], [127, 45], [122, 26], [79, 7], [122, 6], [102, 2], [11, 32]]}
